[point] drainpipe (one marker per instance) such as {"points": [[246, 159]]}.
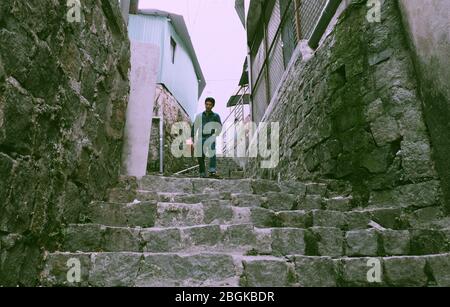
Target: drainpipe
{"points": [[161, 142]]}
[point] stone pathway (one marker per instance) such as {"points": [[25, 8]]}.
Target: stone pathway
{"points": [[206, 232]]}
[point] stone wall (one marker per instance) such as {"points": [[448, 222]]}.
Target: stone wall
{"points": [[167, 107], [428, 25], [63, 96], [352, 112]]}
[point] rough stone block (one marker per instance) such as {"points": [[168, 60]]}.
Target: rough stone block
{"points": [[440, 268], [338, 204], [83, 238], [230, 186], [56, 269], [427, 241], [424, 194], [396, 242], [387, 217], [114, 269], [173, 215], [260, 186], [165, 270], [416, 160], [240, 235], [288, 241], [357, 219], [215, 213], [316, 189], [203, 235], [200, 198], [140, 214], [405, 271], [385, 130], [121, 240], [362, 243], [162, 240], [310, 202], [315, 271], [266, 272], [247, 200], [323, 218], [355, 272], [279, 201], [293, 187], [327, 241], [297, 218], [166, 184], [262, 217]]}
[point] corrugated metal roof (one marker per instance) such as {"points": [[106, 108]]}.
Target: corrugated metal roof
{"points": [[180, 27]]}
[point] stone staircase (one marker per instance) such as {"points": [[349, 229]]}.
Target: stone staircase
{"points": [[227, 168], [206, 232]]}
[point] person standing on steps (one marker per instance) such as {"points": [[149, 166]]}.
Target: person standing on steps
{"points": [[207, 127]]}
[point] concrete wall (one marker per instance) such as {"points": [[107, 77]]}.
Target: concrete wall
{"points": [[428, 26], [144, 70], [352, 112]]}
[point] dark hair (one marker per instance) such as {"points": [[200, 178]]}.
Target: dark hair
{"points": [[210, 99]]}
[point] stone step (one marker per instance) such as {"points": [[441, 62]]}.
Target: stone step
{"points": [[223, 269], [306, 271], [140, 214], [271, 200], [247, 239], [355, 219], [159, 184], [241, 239], [143, 270], [163, 214], [237, 174], [192, 185]]}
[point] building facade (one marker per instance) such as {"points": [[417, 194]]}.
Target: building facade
{"points": [[180, 82], [180, 70], [274, 30]]}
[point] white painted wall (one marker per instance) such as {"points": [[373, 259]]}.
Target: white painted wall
{"points": [[179, 77], [144, 71]]}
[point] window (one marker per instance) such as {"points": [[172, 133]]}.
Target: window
{"points": [[173, 46]]}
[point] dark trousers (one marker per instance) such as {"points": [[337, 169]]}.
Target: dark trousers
{"points": [[212, 160]]}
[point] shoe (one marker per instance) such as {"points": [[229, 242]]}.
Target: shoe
{"points": [[202, 175], [213, 174]]}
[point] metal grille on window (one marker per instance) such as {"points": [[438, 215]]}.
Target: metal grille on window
{"points": [[310, 12], [275, 61], [260, 98], [289, 30]]}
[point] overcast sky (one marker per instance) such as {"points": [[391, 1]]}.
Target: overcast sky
{"points": [[219, 41]]}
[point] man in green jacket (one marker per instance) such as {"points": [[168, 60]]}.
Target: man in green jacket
{"points": [[208, 126]]}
